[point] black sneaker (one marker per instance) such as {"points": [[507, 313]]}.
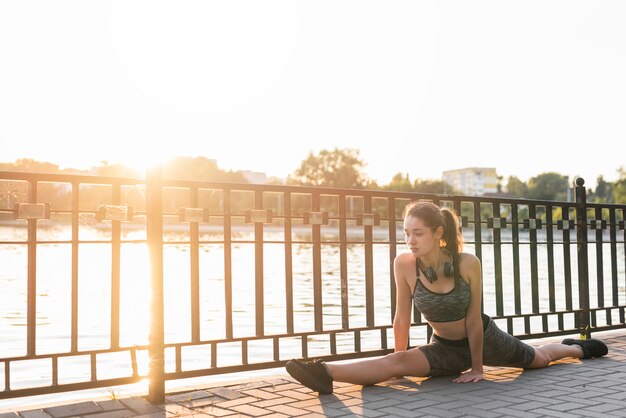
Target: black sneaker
{"points": [[591, 348], [311, 374]]}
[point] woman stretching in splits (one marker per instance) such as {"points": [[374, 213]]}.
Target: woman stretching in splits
{"points": [[445, 285]]}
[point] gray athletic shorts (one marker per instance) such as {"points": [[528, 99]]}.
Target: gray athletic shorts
{"points": [[450, 357]]}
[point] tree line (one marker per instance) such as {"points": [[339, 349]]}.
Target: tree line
{"points": [[344, 168]]}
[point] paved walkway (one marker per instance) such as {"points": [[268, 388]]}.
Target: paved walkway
{"points": [[569, 388]]}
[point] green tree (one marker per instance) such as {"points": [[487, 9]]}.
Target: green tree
{"points": [[619, 187], [400, 183], [516, 188], [30, 165], [431, 186], [603, 192], [548, 186], [336, 168]]}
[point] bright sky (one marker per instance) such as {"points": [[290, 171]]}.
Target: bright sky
{"points": [[419, 87]]}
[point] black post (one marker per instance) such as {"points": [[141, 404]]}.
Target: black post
{"points": [[583, 265], [154, 198]]}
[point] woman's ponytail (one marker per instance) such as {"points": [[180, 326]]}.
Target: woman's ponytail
{"points": [[452, 238]]}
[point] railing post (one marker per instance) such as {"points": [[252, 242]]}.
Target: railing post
{"points": [[583, 265], [154, 225]]}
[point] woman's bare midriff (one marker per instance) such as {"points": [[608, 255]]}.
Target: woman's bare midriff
{"points": [[453, 330]]}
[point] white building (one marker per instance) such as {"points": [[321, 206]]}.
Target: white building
{"points": [[473, 181]]}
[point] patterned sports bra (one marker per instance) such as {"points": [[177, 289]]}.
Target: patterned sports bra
{"points": [[442, 307]]}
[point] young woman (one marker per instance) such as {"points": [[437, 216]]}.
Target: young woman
{"points": [[446, 286]]}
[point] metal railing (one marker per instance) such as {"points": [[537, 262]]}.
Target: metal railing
{"points": [[319, 273]]}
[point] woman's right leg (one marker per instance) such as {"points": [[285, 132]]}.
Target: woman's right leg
{"points": [[368, 372]]}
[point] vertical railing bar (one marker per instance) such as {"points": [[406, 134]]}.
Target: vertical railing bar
{"points": [[497, 258], [317, 267], [383, 338], [369, 265], [258, 268], [304, 346], [567, 260], [357, 341], [244, 352], [343, 262], [7, 375], [583, 266], [93, 364], [478, 250], [32, 277], [55, 370], [228, 268], [179, 358], [75, 238], [154, 230], [213, 355], [288, 263], [133, 362], [115, 271], [276, 348], [550, 249], [516, 258], [613, 245], [534, 268], [194, 260], [599, 260], [391, 208], [333, 343]]}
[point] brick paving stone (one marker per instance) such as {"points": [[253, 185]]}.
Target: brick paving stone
{"points": [[226, 393], [288, 410], [380, 403], [306, 404], [269, 402], [489, 404], [360, 411], [175, 409], [188, 396], [261, 394], [328, 412], [9, 415], [284, 386], [440, 412], [508, 412], [397, 412], [110, 405], [299, 395], [528, 406], [36, 413], [200, 402], [140, 405], [605, 407], [82, 408], [235, 402], [475, 412], [251, 410], [121, 413], [215, 411]]}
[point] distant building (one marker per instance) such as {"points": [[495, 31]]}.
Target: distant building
{"points": [[473, 181]]}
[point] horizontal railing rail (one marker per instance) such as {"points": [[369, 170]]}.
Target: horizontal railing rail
{"points": [[233, 277]]}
